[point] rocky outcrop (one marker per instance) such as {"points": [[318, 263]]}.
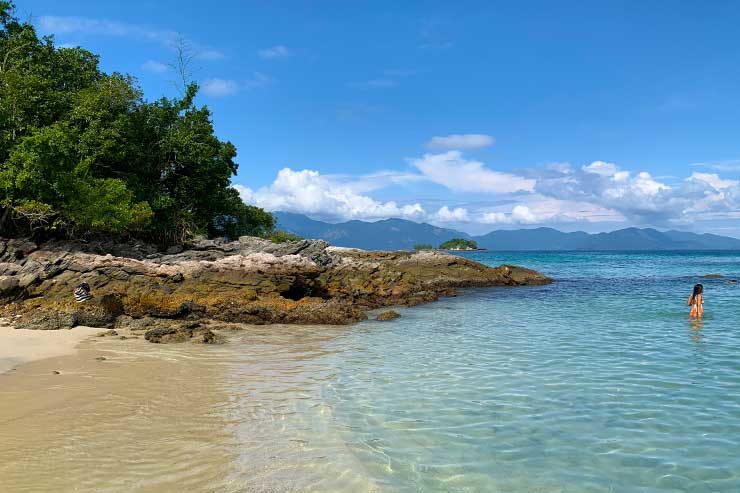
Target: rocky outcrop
{"points": [[249, 281]]}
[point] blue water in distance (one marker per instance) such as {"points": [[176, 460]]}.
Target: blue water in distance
{"points": [[596, 383]]}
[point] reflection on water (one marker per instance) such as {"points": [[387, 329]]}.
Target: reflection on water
{"points": [[696, 334]]}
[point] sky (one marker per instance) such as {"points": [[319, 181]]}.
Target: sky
{"points": [[476, 116]]}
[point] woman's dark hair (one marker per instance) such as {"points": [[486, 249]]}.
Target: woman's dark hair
{"points": [[698, 289]]}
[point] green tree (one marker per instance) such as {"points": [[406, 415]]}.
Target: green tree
{"points": [[82, 151], [423, 246]]}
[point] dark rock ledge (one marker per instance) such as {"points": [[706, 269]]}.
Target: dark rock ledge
{"points": [[249, 281]]}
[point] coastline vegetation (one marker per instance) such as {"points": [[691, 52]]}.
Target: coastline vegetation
{"points": [[83, 153], [459, 244], [423, 246]]}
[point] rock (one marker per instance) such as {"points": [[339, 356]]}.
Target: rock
{"points": [[101, 358], [387, 315], [713, 276], [55, 372], [182, 332], [107, 333], [247, 281], [9, 287], [173, 250]]}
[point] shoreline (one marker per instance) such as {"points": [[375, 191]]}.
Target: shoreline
{"points": [[250, 281], [132, 415]]}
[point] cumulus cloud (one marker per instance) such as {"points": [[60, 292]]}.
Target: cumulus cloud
{"points": [[520, 214], [277, 51], [220, 87], [308, 192], [450, 169], [447, 215], [460, 141], [640, 197], [154, 66], [597, 192]]}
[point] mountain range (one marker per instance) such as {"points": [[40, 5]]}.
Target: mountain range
{"points": [[402, 234]]}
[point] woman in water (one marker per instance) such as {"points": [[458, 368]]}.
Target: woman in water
{"points": [[696, 301]]}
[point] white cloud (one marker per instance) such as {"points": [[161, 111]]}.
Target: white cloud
{"points": [[713, 180], [595, 193], [520, 214], [601, 168], [541, 210], [220, 87], [277, 51], [308, 192], [460, 141], [452, 170], [641, 198], [154, 67], [86, 26], [456, 215]]}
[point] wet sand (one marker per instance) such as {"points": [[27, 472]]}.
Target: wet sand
{"points": [[127, 415]]}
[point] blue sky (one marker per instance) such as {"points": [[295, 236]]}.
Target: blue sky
{"points": [[472, 115]]}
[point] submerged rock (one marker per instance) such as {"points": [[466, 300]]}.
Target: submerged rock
{"points": [[387, 315], [247, 281], [182, 332]]}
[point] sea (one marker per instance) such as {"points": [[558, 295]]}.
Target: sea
{"points": [[598, 382]]}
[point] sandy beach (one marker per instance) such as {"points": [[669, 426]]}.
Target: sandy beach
{"points": [[126, 415], [23, 346]]}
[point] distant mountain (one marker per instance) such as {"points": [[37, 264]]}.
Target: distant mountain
{"points": [[399, 234], [622, 239], [389, 234]]}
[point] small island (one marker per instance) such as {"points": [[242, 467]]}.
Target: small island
{"points": [[457, 244]]}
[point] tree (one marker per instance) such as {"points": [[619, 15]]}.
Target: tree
{"points": [[423, 246], [81, 151]]}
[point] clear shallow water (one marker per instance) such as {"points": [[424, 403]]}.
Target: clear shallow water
{"points": [[597, 383]]}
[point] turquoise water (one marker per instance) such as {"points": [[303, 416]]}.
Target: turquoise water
{"points": [[598, 382]]}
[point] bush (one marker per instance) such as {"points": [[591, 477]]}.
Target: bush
{"points": [[423, 246], [280, 236]]}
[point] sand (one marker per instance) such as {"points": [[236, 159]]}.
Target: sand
{"points": [[18, 346]]}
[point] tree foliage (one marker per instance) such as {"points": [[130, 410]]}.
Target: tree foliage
{"points": [[459, 244], [423, 246], [82, 151]]}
